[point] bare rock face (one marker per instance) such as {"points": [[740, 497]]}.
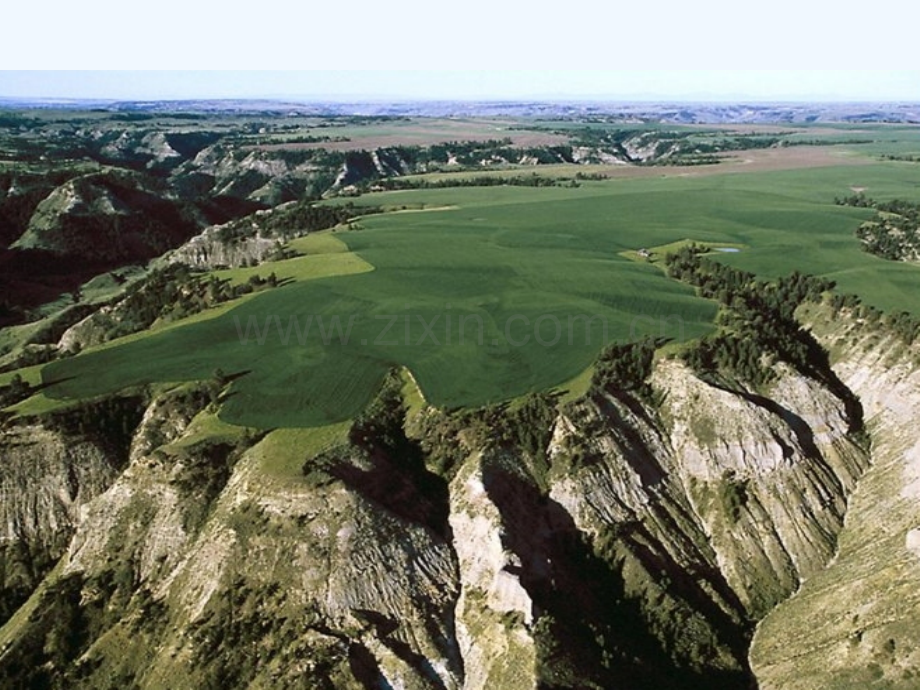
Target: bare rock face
{"points": [[89, 331], [769, 477], [208, 250], [717, 503], [328, 584], [494, 610], [853, 624], [47, 477], [912, 542]]}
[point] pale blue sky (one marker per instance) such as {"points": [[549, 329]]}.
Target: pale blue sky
{"points": [[714, 85]]}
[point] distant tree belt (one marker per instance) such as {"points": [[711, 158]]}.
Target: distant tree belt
{"points": [[757, 319], [534, 180], [905, 159], [894, 232]]}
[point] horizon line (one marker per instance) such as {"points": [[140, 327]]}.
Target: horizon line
{"points": [[490, 99]]}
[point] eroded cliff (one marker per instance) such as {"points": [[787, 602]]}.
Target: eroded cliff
{"points": [[638, 546]]}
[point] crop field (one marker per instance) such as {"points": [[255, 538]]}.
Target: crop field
{"points": [[494, 292], [417, 132]]}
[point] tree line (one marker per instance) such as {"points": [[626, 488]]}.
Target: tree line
{"points": [[757, 319]]}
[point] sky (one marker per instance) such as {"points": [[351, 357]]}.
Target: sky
{"points": [[675, 85]]}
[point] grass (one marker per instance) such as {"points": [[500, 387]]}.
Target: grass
{"points": [[576, 387], [283, 452], [516, 260], [31, 375], [657, 254], [324, 255], [207, 425], [36, 404]]}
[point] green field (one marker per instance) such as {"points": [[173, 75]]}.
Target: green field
{"points": [[516, 266]]}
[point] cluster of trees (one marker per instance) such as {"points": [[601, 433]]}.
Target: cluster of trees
{"points": [[824, 142], [533, 180], [71, 613], [16, 390], [526, 426], [447, 435], [740, 357], [44, 657], [902, 324], [758, 318], [625, 367], [906, 159], [297, 219], [174, 293], [266, 139], [894, 233], [733, 495], [242, 629], [202, 475], [590, 176]]}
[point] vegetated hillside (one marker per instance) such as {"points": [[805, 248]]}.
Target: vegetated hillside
{"points": [[96, 222]]}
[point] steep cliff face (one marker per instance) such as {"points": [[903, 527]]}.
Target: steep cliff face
{"points": [[269, 177], [47, 476], [715, 505], [854, 623], [638, 549], [209, 250], [495, 612], [198, 566], [769, 476]]}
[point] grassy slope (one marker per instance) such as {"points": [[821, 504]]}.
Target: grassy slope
{"points": [[497, 254]]}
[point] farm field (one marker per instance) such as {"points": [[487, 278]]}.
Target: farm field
{"points": [[418, 132], [518, 270]]}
